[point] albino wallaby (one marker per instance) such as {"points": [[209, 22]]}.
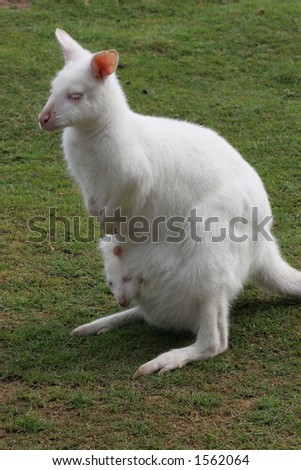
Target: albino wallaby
{"points": [[150, 166]]}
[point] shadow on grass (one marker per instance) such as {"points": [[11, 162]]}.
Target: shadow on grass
{"points": [[46, 353], [246, 306]]}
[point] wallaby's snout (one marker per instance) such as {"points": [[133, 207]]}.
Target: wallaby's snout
{"points": [[44, 118], [48, 119], [123, 301]]}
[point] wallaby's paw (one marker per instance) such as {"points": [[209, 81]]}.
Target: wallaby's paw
{"points": [[94, 328], [166, 362], [83, 330]]}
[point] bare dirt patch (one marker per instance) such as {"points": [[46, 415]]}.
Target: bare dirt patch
{"points": [[18, 4], [9, 391]]}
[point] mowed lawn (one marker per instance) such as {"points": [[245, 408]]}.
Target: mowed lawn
{"points": [[234, 66]]}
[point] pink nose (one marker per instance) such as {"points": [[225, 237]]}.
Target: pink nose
{"points": [[43, 119], [122, 301]]}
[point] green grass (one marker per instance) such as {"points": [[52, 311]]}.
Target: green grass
{"points": [[230, 65]]}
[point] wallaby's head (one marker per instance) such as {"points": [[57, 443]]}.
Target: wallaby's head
{"points": [[124, 285], [78, 94]]}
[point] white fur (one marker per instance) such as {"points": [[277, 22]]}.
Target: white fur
{"points": [[154, 166]]}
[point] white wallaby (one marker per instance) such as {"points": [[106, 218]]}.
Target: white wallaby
{"points": [[150, 166]]}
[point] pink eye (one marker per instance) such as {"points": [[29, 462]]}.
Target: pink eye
{"points": [[127, 278], [75, 96]]}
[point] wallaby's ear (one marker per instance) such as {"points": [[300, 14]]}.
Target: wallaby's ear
{"points": [[69, 47], [104, 63], [117, 250]]}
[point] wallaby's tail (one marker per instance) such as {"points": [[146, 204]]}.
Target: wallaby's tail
{"points": [[277, 275]]}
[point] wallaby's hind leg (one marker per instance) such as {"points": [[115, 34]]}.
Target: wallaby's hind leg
{"points": [[111, 322], [212, 339]]}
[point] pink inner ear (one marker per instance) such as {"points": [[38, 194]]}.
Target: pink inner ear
{"points": [[104, 63], [117, 250]]}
